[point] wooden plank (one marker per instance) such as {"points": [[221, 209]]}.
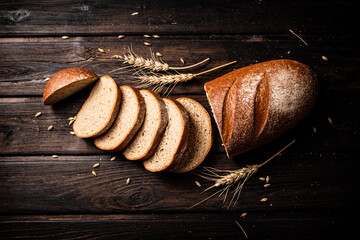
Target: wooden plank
{"points": [[179, 226], [65, 185], [26, 62], [23, 133], [34, 18]]}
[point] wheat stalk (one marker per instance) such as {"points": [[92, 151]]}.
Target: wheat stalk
{"points": [[153, 64], [229, 178], [160, 81]]}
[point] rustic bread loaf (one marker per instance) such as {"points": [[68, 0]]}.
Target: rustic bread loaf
{"points": [[127, 123], [147, 138], [65, 83], [254, 105], [174, 141], [200, 136], [99, 110]]}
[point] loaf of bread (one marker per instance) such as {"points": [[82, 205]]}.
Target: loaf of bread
{"points": [[127, 123], [256, 104], [99, 110], [65, 83], [145, 141]]}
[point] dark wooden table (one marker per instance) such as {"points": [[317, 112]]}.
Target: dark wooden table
{"points": [[314, 183]]}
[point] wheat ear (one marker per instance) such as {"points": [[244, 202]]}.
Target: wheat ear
{"points": [[160, 81], [229, 178], [153, 64]]}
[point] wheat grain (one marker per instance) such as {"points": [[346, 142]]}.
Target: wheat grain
{"points": [[147, 36], [94, 173], [101, 50], [65, 37], [50, 128], [128, 180], [38, 114], [113, 158], [134, 13], [156, 36], [197, 184], [121, 36], [263, 200], [330, 120], [96, 165]]}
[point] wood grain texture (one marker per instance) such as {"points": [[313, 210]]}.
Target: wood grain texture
{"points": [[158, 17], [42, 184], [314, 184], [257, 225], [26, 62]]}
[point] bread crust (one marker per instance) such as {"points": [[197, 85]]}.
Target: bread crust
{"points": [[256, 104], [115, 109], [185, 137], [65, 78], [182, 169]]}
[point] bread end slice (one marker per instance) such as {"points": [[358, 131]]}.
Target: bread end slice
{"points": [[65, 83]]}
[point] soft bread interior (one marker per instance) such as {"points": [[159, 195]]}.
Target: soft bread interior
{"points": [[170, 142], [200, 136], [125, 122], [97, 113], [144, 140]]}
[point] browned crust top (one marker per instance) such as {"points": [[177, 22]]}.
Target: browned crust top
{"points": [[64, 78], [255, 104]]}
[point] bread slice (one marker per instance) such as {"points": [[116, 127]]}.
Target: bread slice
{"points": [[200, 136], [144, 143], [127, 123], [99, 110], [174, 141], [65, 83]]}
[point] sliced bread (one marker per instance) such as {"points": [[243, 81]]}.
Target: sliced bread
{"points": [[65, 83], [127, 123], [174, 141], [99, 110], [200, 136], [144, 143]]}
